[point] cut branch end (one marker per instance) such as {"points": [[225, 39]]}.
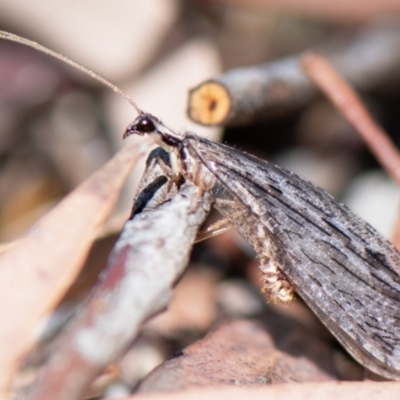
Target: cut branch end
{"points": [[209, 103]]}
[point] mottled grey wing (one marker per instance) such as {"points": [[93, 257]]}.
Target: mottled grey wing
{"points": [[342, 267]]}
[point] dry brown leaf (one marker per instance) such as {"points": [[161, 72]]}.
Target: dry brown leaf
{"points": [[36, 272], [239, 353]]}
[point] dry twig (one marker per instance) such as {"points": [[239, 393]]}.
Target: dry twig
{"points": [[249, 94], [147, 261]]}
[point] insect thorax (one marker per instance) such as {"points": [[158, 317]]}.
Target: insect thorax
{"points": [[189, 164]]}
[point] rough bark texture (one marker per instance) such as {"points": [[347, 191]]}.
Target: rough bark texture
{"points": [[147, 261], [249, 94]]}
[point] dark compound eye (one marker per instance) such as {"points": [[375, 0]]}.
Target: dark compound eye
{"points": [[145, 125]]}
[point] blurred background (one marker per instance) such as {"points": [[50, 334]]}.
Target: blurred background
{"points": [[57, 126], [156, 51]]}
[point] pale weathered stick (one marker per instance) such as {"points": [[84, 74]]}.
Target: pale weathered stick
{"points": [[249, 94], [147, 261]]}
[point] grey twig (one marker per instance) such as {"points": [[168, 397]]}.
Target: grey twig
{"points": [[248, 94], [147, 261]]}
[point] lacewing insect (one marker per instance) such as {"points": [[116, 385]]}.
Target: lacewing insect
{"points": [[306, 241]]}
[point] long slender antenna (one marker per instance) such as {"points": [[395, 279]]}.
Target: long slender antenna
{"points": [[19, 39]]}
